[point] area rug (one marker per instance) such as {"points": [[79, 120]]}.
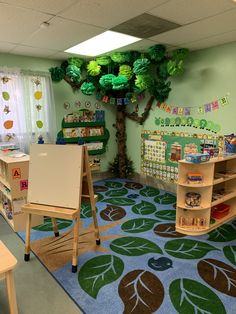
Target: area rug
{"points": [[143, 265]]}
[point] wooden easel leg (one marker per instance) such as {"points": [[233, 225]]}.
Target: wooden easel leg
{"points": [[91, 195], [55, 228], [75, 246], [27, 238], [11, 292]]}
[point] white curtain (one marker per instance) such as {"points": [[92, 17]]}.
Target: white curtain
{"points": [[27, 108]]}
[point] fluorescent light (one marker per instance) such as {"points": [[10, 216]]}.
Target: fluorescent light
{"points": [[102, 43]]}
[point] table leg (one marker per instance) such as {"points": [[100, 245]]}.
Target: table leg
{"points": [[27, 238], [75, 246], [11, 292], [55, 228]]}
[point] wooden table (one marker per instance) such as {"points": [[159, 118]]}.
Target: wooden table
{"points": [[7, 264]]}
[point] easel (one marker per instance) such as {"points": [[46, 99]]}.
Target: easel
{"points": [[85, 193]]}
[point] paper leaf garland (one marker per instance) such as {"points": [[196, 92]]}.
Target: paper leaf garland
{"points": [[120, 82], [75, 61], [74, 73], [93, 68], [125, 70], [157, 52], [141, 66], [57, 74], [87, 88]]}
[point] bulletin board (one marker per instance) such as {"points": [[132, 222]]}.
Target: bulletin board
{"points": [[160, 151], [55, 175]]}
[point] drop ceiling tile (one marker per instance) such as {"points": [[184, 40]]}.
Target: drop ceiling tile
{"points": [[31, 51], [12, 25], [46, 6], [108, 13], [187, 11], [213, 41], [219, 24], [62, 34], [6, 47], [61, 55], [141, 45]]}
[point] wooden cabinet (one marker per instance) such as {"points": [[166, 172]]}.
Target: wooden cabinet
{"points": [[198, 202], [13, 190]]}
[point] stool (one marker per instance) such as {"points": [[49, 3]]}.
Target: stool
{"points": [[7, 264]]}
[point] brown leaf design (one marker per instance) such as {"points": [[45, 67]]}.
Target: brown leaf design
{"points": [[167, 231], [133, 185], [112, 212], [99, 188], [218, 275], [141, 291]]}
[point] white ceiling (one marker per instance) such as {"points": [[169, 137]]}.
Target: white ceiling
{"points": [[204, 23]]}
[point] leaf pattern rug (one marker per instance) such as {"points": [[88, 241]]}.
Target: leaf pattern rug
{"points": [[143, 265]]}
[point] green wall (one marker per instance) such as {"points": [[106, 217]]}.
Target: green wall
{"points": [[209, 75], [63, 93]]}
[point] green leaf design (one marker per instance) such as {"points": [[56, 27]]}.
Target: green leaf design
{"points": [[230, 253], [224, 233], [188, 249], [113, 184], [165, 199], [134, 246], [100, 197], [5, 96], [149, 191], [119, 201], [138, 225], [99, 272], [191, 297], [86, 210], [47, 225], [114, 193], [166, 214], [144, 208]]}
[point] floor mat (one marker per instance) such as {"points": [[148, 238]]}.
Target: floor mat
{"points": [[143, 265]]}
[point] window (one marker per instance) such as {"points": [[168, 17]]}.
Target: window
{"points": [[28, 109]]}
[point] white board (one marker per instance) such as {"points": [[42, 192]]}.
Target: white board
{"points": [[55, 175]]}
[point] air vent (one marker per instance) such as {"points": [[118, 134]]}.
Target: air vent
{"points": [[145, 26]]}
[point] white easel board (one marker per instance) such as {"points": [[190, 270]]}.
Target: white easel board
{"points": [[55, 175]]}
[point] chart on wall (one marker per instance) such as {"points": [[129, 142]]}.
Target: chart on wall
{"points": [[161, 151]]}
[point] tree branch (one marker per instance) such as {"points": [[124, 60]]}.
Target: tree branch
{"points": [[75, 86], [140, 119]]}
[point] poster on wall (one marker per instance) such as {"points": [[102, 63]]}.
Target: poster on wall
{"points": [[161, 151]]}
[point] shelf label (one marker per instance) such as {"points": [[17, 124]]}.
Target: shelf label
{"points": [[24, 185], [16, 173]]}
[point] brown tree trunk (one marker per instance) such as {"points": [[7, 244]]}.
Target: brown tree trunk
{"points": [[121, 140]]}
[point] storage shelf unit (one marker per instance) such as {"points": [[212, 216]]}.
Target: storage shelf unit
{"points": [[13, 190], [218, 186]]}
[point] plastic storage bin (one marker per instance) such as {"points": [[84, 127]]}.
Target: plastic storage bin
{"points": [[197, 158]]}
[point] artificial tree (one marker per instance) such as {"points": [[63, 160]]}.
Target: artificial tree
{"points": [[124, 76]]}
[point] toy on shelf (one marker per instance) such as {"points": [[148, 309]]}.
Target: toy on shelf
{"points": [[197, 158], [194, 178], [230, 144], [212, 151], [196, 222], [219, 211], [192, 199]]}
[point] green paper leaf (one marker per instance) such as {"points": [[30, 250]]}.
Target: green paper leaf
{"points": [[138, 225], [120, 192], [47, 225], [119, 201], [5, 96], [113, 184], [144, 208], [191, 297], [188, 249], [149, 191], [166, 214], [134, 246], [230, 253], [99, 272], [224, 233], [165, 199]]}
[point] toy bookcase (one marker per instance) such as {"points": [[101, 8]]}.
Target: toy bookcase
{"points": [[13, 190], [218, 186], [86, 126]]}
